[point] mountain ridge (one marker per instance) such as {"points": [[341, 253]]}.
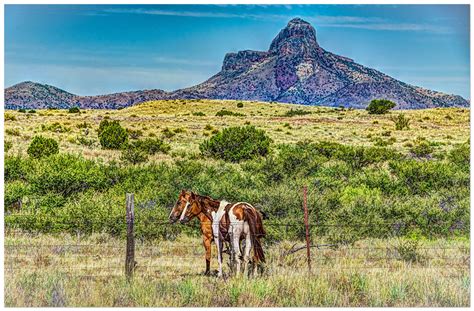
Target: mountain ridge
{"points": [[295, 69]]}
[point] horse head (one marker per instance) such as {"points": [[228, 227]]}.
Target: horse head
{"points": [[186, 208]]}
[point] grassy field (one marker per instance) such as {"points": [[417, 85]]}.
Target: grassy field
{"points": [[444, 127], [88, 271], [77, 203]]}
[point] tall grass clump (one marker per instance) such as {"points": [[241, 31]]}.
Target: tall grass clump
{"points": [[401, 122]]}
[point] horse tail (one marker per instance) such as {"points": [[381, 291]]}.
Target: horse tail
{"points": [[256, 229]]}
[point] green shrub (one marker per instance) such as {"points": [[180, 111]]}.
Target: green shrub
{"points": [[7, 146], [199, 114], [83, 125], [74, 110], [134, 134], [296, 112], [235, 144], [240, 105], [133, 155], [152, 146], [167, 133], [9, 117], [408, 250], [13, 132], [84, 141], [42, 147], [14, 193], [401, 122], [16, 167], [421, 177], [224, 112], [460, 155], [55, 127], [31, 111], [112, 135], [422, 149], [66, 174], [380, 106], [22, 110]]}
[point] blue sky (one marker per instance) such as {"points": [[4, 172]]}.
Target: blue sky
{"points": [[98, 49]]}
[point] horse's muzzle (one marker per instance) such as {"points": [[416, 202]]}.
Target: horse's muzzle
{"points": [[172, 220], [184, 220]]}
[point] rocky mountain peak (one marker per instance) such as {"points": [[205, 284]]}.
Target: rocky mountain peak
{"points": [[297, 36]]}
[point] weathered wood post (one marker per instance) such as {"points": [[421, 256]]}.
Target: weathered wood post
{"points": [[306, 223], [130, 253]]}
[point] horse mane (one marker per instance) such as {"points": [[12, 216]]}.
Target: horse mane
{"points": [[206, 200]]}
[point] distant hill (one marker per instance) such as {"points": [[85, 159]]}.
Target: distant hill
{"points": [[36, 95], [295, 69]]}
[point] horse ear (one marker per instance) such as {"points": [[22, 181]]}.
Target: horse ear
{"points": [[183, 192], [193, 196]]}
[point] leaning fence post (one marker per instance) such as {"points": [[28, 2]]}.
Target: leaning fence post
{"points": [[130, 254], [305, 206]]}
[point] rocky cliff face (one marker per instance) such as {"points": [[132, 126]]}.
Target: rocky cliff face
{"points": [[295, 69]]}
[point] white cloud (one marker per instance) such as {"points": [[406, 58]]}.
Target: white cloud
{"points": [[369, 23]]}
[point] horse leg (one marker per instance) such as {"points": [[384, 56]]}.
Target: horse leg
{"points": [[219, 243], [248, 246], [207, 246], [236, 251]]}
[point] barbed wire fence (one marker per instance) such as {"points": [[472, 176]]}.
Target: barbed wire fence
{"points": [[167, 257]]}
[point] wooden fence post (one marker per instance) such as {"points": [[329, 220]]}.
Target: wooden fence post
{"points": [[306, 223], [130, 254]]}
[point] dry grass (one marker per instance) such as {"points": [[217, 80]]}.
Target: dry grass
{"points": [[445, 127], [63, 271]]}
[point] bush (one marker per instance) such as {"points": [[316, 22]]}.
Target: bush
{"points": [[380, 106], [134, 134], [408, 250], [133, 155], [240, 105], [22, 110], [55, 127], [296, 112], [401, 122], [14, 193], [112, 135], [9, 117], [66, 174], [7, 146], [460, 155], [42, 147], [32, 111], [84, 141], [152, 146], [235, 144], [422, 149], [16, 167], [199, 114], [224, 112], [74, 110]]}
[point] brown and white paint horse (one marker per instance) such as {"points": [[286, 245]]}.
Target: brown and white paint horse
{"points": [[233, 223], [223, 222]]}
